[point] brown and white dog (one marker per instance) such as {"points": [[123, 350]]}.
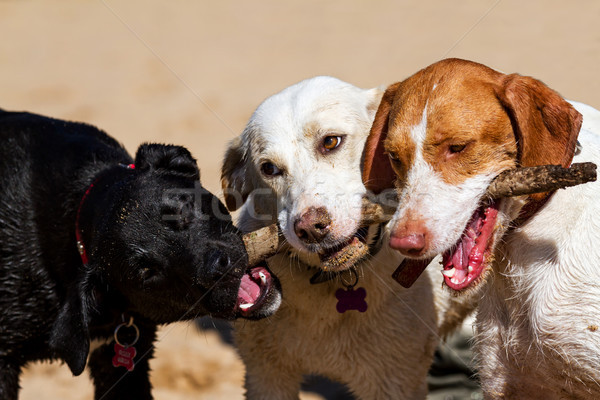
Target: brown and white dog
{"points": [[298, 163], [445, 133]]}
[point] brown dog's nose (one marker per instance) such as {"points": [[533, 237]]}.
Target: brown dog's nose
{"points": [[313, 225], [409, 245]]}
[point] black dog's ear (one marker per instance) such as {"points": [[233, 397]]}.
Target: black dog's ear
{"points": [[168, 159], [70, 339]]}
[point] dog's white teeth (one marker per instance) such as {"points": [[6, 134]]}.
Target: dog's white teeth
{"points": [[263, 278], [470, 269], [246, 306], [449, 272], [457, 282]]}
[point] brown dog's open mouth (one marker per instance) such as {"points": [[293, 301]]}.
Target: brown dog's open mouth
{"points": [[465, 262], [254, 288], [346, 254]]}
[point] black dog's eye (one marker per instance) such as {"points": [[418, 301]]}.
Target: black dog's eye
{"points": [[270, 169], [148, 269], [331, 143], [456, 148], [147, 273]]}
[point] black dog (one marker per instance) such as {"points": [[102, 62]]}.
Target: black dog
{"points": [[152, 250]]}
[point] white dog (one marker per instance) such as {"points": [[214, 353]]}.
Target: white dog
{"points": [[298, 163], [448, 131]]}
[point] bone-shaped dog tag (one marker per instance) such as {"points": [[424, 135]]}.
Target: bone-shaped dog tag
{"points": [[124, 357], [350, 299]]}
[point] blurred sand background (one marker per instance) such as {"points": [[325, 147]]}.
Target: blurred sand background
{"points": [[192, 72]]}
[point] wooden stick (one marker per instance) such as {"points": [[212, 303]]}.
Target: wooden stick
{"points": [[545, 178], [261, 244], [514, 182]]}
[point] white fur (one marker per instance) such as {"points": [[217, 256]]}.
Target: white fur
{"points": [[543, 341], [383, 353]]}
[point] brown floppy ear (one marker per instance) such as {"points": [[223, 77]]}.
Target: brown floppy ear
{"points": [[234, 180], [546, 125], [378, 174]]}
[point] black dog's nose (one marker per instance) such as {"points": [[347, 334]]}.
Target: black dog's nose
{"points": [[217, 261], [313, 225]]}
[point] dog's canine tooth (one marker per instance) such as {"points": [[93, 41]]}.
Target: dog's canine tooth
{"points": [[263, 278], [246, 306], [449, 273]]}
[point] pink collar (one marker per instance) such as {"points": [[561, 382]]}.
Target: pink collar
{"points": [[78, 237]]}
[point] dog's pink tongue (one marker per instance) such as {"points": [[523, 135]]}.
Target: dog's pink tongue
{"points": [[470, 250], [460, 258], [249, 291]]}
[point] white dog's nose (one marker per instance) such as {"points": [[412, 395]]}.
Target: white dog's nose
{"points": [[313, 225]]}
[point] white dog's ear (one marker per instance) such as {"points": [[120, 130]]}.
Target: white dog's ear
{"points": [[373, 99], [234, 174]]}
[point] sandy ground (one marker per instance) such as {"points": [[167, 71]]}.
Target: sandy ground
{"points": [[191, 73]]}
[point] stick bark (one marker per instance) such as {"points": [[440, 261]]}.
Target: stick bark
{"points": [[261, 244]]}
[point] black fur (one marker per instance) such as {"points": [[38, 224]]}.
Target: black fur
{"points": [[156, 249]]}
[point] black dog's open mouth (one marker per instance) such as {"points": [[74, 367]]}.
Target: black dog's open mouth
{"points": [[255, 286], [465, 262], [346, 254]]}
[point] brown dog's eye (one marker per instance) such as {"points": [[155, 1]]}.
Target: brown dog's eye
{"points": [[456, 148], [270, 169], [395, 161], [331, 142]]}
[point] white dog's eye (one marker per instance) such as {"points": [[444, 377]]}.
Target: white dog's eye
{"points": [[331, 143], [270, 169]]}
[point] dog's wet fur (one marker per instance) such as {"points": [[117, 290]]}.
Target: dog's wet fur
{"points": [[160, 248]]}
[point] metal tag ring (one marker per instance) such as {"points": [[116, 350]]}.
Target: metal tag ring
{"points": [[351, 286], [129, 324]]}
